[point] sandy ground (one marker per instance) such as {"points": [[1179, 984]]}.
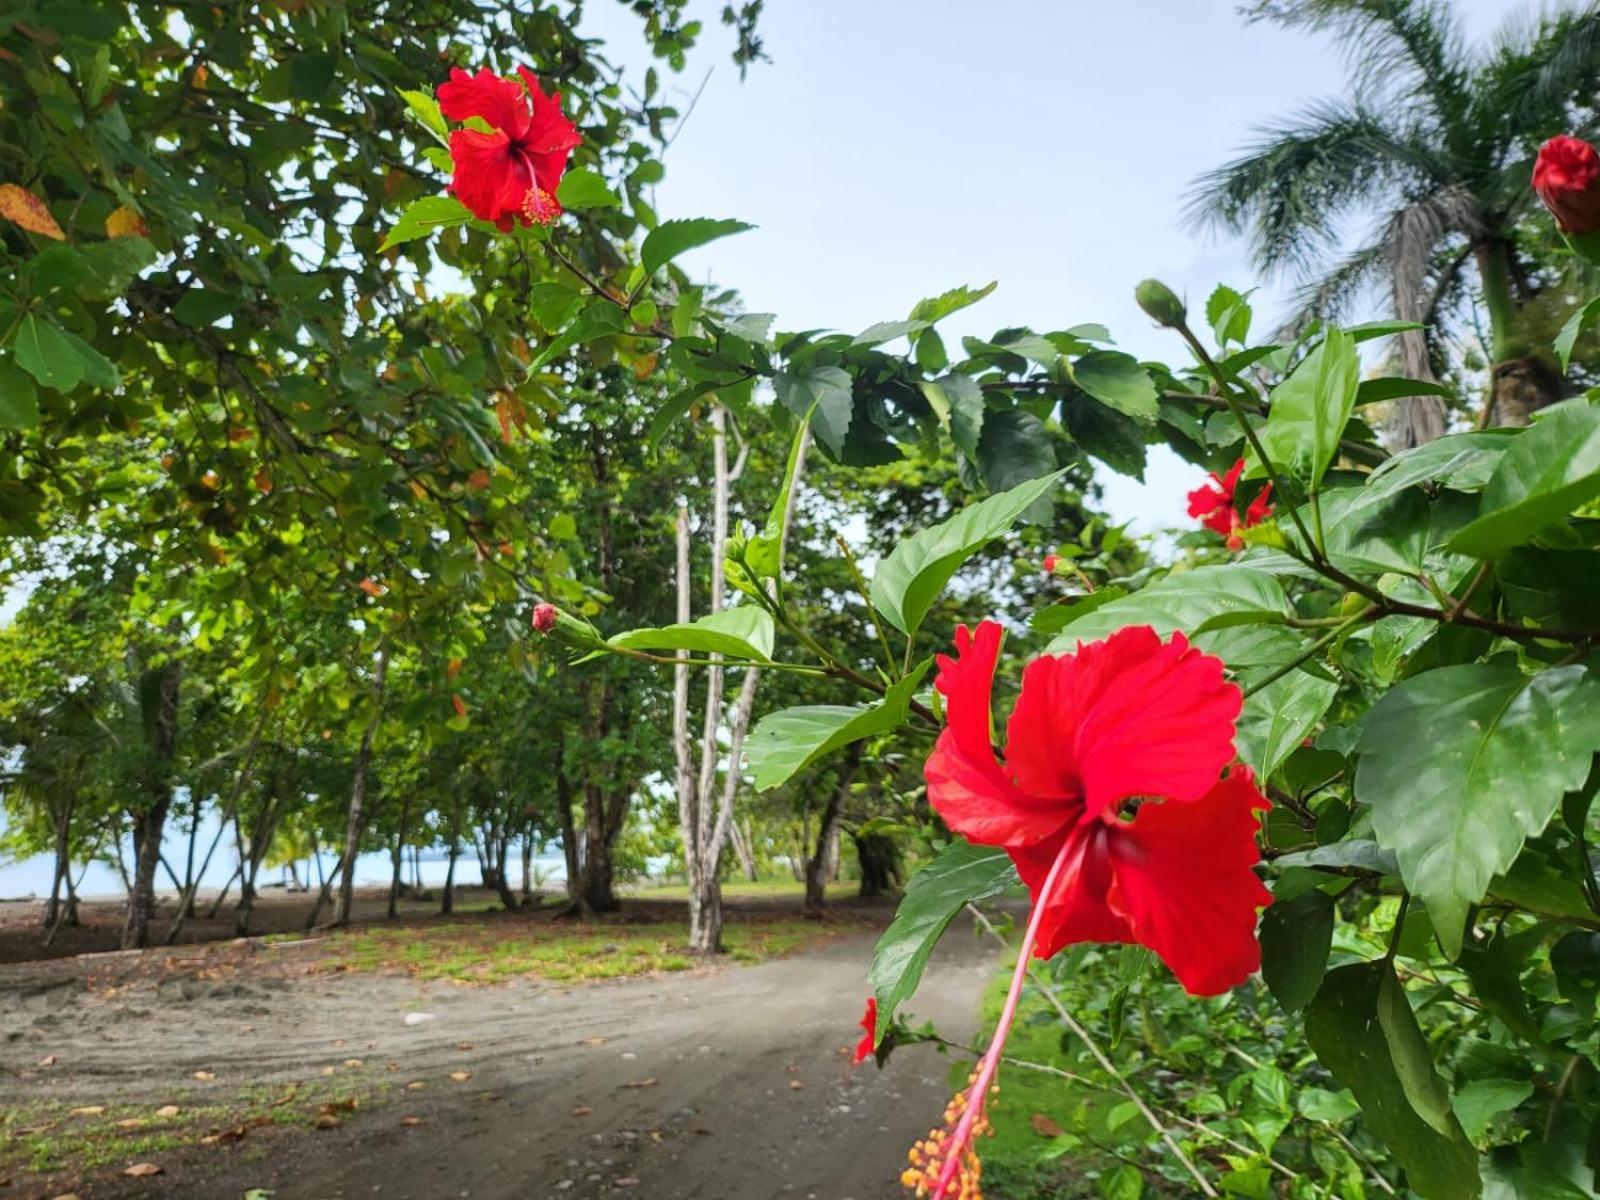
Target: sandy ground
{"points": [[730, 1083]]}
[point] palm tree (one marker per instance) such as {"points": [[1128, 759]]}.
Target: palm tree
{"points": [[1436, 138]]}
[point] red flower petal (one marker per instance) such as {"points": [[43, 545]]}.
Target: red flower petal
{"points": [[869, 1022], [1129, 716], [1181, 877], [497, 100], [490, 179], [1077, 911], [1260, 508], [1206, 499], [966, 786]]}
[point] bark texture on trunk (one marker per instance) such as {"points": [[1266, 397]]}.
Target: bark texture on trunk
{"points": [[1520, 387], [357, 820], [824, 855], [151, 821]]}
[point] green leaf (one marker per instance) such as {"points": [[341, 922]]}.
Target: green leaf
{"points": [[42, 349], [791, 739], [423, 216], [1278, 717], [1549, 470], [1296, 936], [97, 368], [1228, 313], [1396, 387], [19, 399], [745, 632], [672, 238], [311, 74], [1117, 381], [1056, 617], [908, 581], [1377, 329], [1354, 852], [1462, 461], [1481, 1101], [115, 263], [426, 110], [957, 400], [582, 189], [936, 308], [1462, 764], [825, 394], [1013, 449], [764, 553], [1185, 600], [1311, 408], [1364, 1033], [200, 307], [1567, 339], [1575, 959], [962, 873], [886, 331]]}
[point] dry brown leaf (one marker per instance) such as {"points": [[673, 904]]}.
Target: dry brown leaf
{"points": [[594, 1041], [168, 1110], [131, 1123], [67, 1196], [795, 1085], [583, 1110], [640, 1083], [352, 1062], [411, 1120], [48, 1060], [461, 1076], [460, 1045], [626, 1181], [1044, 1126], [327, 1121], [126, 222], [141, 1170], [22, 208], [655, 1135], [348, 1104], [89, 1110], [205, 1076], [416, 1085]]}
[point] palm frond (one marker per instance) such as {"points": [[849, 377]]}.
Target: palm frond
{"points": [[1541, 75], [1288, 189]]}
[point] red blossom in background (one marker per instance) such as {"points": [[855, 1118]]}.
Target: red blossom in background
{"points": [[1213, 503], [512, 173], [544, 617], [869, 1022], [1051, 562], [1567, 177], [1128, 719]]}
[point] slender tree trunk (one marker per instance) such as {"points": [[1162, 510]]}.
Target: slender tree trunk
{"points": [[323, 890], [358, 794], [216, 905], [569, 839], [502, 883], [527, 869], [879, 864], [743, 847], [151, 822], [828, 832], [447, 900], [229, 813], [62, 876], [397, 858]]}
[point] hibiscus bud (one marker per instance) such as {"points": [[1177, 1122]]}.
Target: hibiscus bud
{"points": [[544, 617], [1567, 177], [1160, 303], [1051, 562]]}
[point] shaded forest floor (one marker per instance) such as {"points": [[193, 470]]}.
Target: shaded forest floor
{"points": [[484, 1054]]}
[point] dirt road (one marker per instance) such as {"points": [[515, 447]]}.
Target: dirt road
{"points": [[733, 1083]]}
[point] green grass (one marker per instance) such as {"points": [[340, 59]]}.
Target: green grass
{"points": [[743, 889], [498, 951]]}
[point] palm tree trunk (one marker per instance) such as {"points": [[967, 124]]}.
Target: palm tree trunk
{"points": [[1519, 383]]}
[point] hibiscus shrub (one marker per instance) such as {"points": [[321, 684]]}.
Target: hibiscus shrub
{"points": [[1364, 703]]}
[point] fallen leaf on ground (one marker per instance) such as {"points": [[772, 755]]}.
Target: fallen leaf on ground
{"points": [[327, 1121], [48, 1060], [168, 1110], [655, 1135], [640, 1083], [595, 1041], [795, 1085], [464, 1046], [352, 1062], [416, 1085], [131, 1123], [225, 1136], [349, 1104], [89, 1110], [140, 1170], [1044, 1126], [67, 1196], [461, 1076], [205, 1076], [411, 1120], [626, 1181], [583, 1110]]}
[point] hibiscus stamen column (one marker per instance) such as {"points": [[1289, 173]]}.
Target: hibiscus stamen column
{"points": [[947, 1156]]}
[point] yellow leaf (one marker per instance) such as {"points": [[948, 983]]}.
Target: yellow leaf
{"points": [[21, 207], [126, 222]]}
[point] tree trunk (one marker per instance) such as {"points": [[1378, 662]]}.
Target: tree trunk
{"points": [[743, 847], [602, 823], [151, 822], [358, 795], [502, 884], [1520, 387], [569, 837], [397, 858], [527, 869], [447, 899], [62, 876], [828, 833], [880, 864], [323, 890]]}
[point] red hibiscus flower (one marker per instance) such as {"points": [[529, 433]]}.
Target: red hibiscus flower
{"points": [[1128, 721], [1567, 177], [545, 617], [512, 173], [1213, 503], [869, 1022]]}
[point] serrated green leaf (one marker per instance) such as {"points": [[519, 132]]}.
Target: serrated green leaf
{"points": [[745, 633], [1117, 381], [1310, 409], [1279, 716], [426, 110], [423, 217], [961, 874], [1462, 461], [1464, 763], [825, 394], [1548, 471], [908, 581], [1185, 600], [957, 400], [672, 238]]}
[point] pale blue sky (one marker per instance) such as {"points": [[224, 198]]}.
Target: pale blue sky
{"points": [[896, 148]]}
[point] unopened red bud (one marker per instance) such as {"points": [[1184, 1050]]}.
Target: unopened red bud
{"points": [[1567, 177], [544, 617], [1051, 562]]}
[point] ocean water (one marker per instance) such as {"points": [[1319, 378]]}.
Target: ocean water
{"points": [[31, 876]]}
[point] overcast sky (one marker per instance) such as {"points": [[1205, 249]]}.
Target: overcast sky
{"points": [[896, 148]]}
